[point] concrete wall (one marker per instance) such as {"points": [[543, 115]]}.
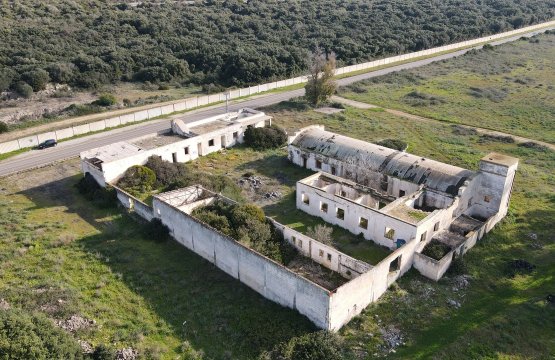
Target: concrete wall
{"points": [[186, 104], [115, 169], [377, 221], [324, 255], [268, 278]]}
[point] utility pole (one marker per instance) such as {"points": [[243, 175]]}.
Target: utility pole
{"points": [[227, 94]]}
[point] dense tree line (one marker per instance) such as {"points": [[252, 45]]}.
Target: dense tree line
{"points": [[90, 43]]}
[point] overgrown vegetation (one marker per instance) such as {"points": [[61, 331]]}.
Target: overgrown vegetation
{"points": [[247, 224], [34, 336], [436, 250], [268, 137], [89, 188], [321, 84], [321, 233], [395, 144], [88, 44], [321, 345]]}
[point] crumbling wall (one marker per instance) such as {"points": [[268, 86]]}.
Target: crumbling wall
{"points": [[270, 279]]}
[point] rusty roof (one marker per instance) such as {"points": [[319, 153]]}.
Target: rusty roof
{"points": [[416, 169]]}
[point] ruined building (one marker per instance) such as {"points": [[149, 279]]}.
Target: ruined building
{"points": [[397, 200]]}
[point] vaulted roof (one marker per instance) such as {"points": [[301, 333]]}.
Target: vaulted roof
{"points": [[433, 174]]}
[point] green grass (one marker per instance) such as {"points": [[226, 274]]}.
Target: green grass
{"points": [[141, 292], [13, 153], [152, 296], [509, 88], [498, 312]]}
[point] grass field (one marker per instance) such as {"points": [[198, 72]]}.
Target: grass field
{"points": [[156, 296], [509, 88], [62, 255]]}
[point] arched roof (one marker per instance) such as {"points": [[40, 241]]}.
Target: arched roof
{"points": [[433, 174]]}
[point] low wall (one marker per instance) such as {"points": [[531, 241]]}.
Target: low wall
{"points": [[133, 204], [270, 279], [324, 255], [181, 105]]}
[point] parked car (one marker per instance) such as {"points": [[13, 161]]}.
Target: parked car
{"points": [[47, 143]]}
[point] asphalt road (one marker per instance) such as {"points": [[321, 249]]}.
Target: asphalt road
{"points": [[68, 149]]}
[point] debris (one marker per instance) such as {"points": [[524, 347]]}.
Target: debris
{"points": [[4, 305], [461, 282], [454, 303], [533, 236], [127, 354], [273, 195], [254, 181], [86, 347], [392, 338], [75, 323]]}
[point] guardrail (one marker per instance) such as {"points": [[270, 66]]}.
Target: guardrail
{"points": [[194, 102]]}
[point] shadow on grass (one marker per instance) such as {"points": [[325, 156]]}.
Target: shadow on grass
{"points": [[214, 312]]}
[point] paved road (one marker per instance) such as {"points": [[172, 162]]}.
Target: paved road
{"points": [[72, 148]]}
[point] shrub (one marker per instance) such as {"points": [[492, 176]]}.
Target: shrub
{"points": [[458, 266], [37, 79], [166, 172], [268, 137], [106, 100], [242, 213], [321, 345], [3, 127], [34, 336], [137, 179], [321, 233], [89, 188], [395, 144], [103, 352], [436, 250], [219, 222], [23, 89]]}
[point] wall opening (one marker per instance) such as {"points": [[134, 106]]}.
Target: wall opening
{"points": [[223, 142], [389, 233], [329, 257], [305, 199], [395, 265], [340, 213], [436, 226], [318, 164], [402, 193], [333, 171], [321, 253], [174, 157], [211, 142], [323, 207], [305, 162], [235, 135], [423, 236], [363, 223], [186, 150]]}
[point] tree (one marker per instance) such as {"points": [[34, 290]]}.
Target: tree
{"points": [[268, 137], [167, 173], [321, 233], [23, 89], [320, 86], [37, 79], [137, 179]]}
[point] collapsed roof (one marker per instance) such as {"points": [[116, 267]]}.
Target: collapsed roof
{"points": [[363, 155]]}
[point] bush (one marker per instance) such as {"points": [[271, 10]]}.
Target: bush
{"points": [[321, 233], [167, 173], [219, 222], [103, 352], [458, 266], [321, 345], [242, 213], [436, 250], [3, 127], [89, 188], [393, 144], [34, 336], [268, 137], [23, 89], [37, 79], [106, 100], [137, 179]]}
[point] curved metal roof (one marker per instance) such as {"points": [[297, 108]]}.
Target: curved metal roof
{"points": [[433, 174]]}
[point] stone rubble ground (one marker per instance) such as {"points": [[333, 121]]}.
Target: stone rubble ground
{"points": [[256, 184], [127, 354], [4, 305], [86, 347], [75, 323], [393, 338]]}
